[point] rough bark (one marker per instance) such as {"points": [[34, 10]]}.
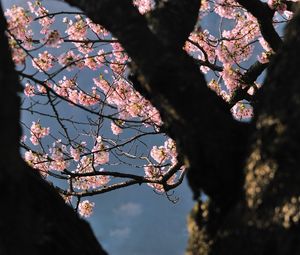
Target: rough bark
{"points": [[33, 218]]}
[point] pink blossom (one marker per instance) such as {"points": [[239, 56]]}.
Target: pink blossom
{"points": [[156, 174], [18, 54], [89, 182], [29, 90], [242, 111], [226, 8], [88, 100], [159, 154], [44, 62], [57, 151], [102, 84], [18, 22], [91, 62], [206, 43], [42, 89], [144, 6], [75, 152], [153, 172], [41, 11], [167, 151], [204, 7], [78, 29], [215, 86], [38, 161], [37, 132], [264, 44], [69, 59], [101, 155], [171, 150], [85, 208], [115, 129], [96, 28], [264, 57], [231, 78], [52, 39]]}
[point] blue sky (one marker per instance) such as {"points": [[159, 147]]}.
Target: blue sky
{"points": [[136, 220]]}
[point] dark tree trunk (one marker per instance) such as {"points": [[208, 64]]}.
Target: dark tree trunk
{"points": [[33, 218]]}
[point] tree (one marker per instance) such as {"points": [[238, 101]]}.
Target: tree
{"points": [[252, 181]]}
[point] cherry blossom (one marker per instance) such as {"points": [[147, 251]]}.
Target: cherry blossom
{"points": [[53, 39], [58, 161], [37, 132], [85, 208], [29, 90], [18, 23], [38, 161], [101, 156], [87, 165], [116, 129], [153, 173], [70, 59], [241, 111], [144, 6], [44, 62], [39, 10]]}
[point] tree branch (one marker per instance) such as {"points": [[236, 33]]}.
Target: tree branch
{"points": [[173, 21], [264, 15]]}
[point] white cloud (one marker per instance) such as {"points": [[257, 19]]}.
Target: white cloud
{"points": [[120, 232], [129, 209]]}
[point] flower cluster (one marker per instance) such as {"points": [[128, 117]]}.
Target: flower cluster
{"points": [[166, 152], [144, 6], [101, 155], [226, 8], [18, 22], [157, 173], [38, 161], [40, 11], [44, 62], [52, 39], [58, 162], [87, 166], [242, 111], [235, 47], [161, 155], [37, 132], [85, 208], [130, 103]]}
